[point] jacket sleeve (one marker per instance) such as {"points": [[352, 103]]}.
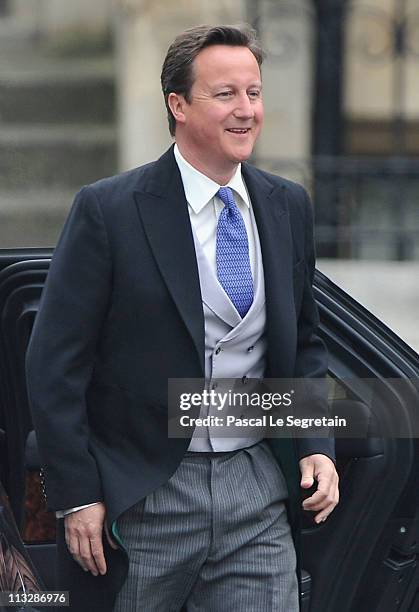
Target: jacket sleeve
{"points": [[61, 354], [312, 356]]}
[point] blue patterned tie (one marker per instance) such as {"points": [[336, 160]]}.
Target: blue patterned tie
{"points": [[232, 254]]}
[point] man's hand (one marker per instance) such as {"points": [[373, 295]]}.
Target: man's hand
{"points": [[322, 469], [83, 535]]}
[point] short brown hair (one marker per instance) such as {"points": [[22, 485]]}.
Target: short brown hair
{"points": [[177, 74]]}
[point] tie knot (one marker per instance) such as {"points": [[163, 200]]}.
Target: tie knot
{"points": [[226, 195]]}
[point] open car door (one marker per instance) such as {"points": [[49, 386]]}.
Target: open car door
{"points": [[365, 557]]}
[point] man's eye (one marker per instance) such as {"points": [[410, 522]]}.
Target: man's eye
{"points": [[224, 94], [254, 94]]}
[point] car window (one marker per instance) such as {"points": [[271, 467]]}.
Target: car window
{"points": [[389, 289]]}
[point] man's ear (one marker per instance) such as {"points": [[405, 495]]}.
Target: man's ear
{"points": [[177, 104]]}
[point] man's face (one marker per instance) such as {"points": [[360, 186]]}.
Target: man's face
{"points": [[220, 124]]}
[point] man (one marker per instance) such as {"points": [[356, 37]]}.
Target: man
{"points": [[196, 265]]}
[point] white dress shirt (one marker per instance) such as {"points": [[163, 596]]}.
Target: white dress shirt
{"points": [[205, 206]]}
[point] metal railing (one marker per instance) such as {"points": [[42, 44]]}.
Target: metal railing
{"points": [[366, 208]]}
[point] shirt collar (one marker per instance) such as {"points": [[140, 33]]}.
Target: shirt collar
{"points": [[199, 189]]}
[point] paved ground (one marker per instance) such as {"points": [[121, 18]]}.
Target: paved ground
{"points": [[388, 289]]}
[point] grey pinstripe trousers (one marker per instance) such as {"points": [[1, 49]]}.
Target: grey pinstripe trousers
{"points": [[214, 538]]}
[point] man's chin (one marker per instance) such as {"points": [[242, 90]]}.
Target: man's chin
{"points": [[242, 154]]}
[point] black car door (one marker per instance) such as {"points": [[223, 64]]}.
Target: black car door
{"points": [[22, 275], [365, 556]]}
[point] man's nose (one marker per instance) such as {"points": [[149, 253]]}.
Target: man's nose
{"points": [[244, 108]]}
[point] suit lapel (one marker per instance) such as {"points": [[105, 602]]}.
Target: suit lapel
{"points": [[164, 214], [270, 207]]}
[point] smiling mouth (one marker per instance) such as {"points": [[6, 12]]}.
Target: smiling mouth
{"points": [[238, 130]]}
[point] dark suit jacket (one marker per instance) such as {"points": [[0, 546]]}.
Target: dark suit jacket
{"points": [[121, 313]]}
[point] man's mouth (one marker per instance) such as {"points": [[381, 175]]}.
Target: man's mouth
{"points": [[238, 130]]}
